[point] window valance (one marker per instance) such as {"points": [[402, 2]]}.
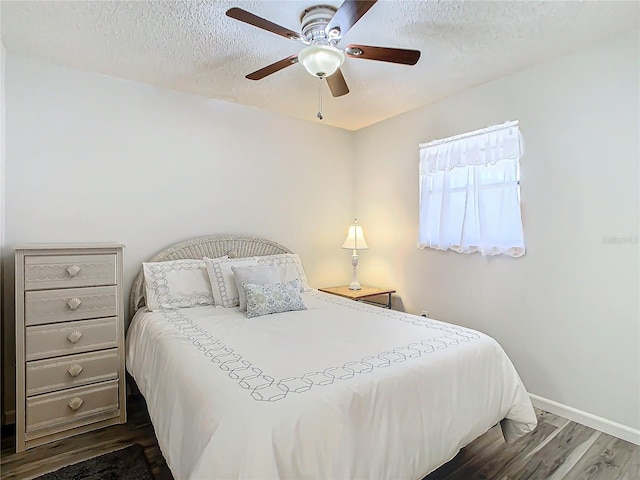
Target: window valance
{"points": [[480, 147]]}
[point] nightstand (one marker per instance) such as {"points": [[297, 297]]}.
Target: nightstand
{"points": [[362, 295]]}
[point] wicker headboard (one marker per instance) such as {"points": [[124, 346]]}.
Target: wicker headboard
{"points": [[213, 246]]}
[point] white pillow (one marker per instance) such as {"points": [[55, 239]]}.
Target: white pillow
{"points": [[176, 284], [292, 264], [223, 284], [274, 298], [256, 275]]}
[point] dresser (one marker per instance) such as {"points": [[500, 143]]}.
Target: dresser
{"points": [[70, 373]]}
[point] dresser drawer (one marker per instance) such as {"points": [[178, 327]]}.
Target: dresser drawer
{"points": [[44, 341], [45, 376], [66, 271], [49, 306], [70, 408]]}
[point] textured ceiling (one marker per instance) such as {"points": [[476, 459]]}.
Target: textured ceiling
{"points": [[192, 46]]}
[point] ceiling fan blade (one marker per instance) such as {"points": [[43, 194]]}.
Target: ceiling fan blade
{"points": [[273, 68], [383, 54], [337, 84], [348, 14], [256, 21]]}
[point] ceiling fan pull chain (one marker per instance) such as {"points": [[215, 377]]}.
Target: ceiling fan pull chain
{"points": [[320, 117]]}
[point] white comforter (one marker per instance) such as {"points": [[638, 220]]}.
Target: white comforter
{"points": [[342, 390]]}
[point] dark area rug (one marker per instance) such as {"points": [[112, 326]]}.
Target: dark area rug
{"points": [[126, 464]]}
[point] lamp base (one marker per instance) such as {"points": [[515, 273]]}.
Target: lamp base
{"points": [[355, 284]]}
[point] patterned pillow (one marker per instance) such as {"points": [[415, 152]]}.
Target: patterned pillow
{"points": [[273, 298], [292, 265], [176, 284], [223, 284], [226, 292]]}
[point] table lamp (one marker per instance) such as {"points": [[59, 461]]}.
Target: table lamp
{"points": [[355, 241]]}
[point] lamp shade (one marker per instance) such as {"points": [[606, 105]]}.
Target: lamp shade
{"points": [[355, 238], [321, 60]]}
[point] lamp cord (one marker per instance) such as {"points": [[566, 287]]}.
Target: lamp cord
{"points": [[320, 116]]}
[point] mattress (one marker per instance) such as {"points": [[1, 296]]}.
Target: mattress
{"points": [[340, 390]]}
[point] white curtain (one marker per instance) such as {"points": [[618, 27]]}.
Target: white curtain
{"points": [[470, 193]]}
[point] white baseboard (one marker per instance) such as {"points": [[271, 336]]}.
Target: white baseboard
{"points": [[593, 421]]}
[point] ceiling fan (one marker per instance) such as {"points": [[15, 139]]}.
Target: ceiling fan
{"points": [[323, 27]]}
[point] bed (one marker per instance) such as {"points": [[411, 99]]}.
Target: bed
{"points": [[336, 390]]}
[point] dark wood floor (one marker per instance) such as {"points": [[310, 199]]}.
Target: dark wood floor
{"points": [[557, 450], [50, 457]]}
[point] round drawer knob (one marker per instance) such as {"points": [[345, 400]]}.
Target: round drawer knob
{"points": [[73, 270], [74, 336], [75, 403], [74, 303], [74, 370]]}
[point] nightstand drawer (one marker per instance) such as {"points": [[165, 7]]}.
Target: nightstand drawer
{"points": [[70, 408], [67, 271], [44, 341], [50, 306], [53, 374]]}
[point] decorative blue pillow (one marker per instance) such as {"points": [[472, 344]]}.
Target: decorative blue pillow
{"points": [[273, 298]]}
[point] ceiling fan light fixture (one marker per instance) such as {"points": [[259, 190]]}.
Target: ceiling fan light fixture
{"points": [[321, 60]]}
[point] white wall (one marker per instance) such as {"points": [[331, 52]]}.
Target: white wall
{"points": [[567, 312], [92, 158]]}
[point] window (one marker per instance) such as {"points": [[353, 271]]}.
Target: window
{"points": [[470, 192]]}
